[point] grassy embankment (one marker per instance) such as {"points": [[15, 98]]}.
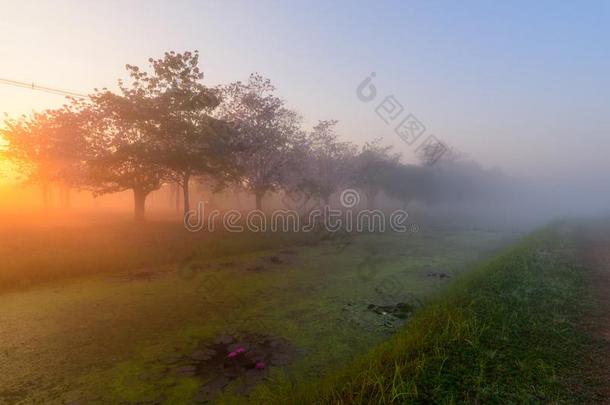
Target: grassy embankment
{"points": [[507, 332], [111, 335]]}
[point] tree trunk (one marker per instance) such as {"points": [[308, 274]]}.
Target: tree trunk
{"points": [[67, 198], [64, 196], [186, 194], [259, 200], [177, 195], [139, 199], [45, 194], [171, 190], [237, 196]]}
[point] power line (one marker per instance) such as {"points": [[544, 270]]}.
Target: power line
{"points": [[46, 89]]}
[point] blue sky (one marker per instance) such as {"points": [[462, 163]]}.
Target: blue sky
{"points": [[521, 85]]}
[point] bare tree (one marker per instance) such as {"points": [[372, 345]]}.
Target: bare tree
{"points": [[266, 132]]}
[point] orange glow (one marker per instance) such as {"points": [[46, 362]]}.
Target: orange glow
{"points": [[8, 173]]}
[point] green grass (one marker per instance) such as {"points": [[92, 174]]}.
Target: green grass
{"points": [[507, 332], [102, 338], [41, 253]]}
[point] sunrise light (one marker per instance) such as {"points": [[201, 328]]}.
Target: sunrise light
{"points": [[304, 202]]}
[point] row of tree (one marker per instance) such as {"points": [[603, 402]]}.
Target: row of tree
{"points": [[164, 126]]}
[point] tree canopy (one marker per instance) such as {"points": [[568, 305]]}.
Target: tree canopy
{"points": [[164, 126]]}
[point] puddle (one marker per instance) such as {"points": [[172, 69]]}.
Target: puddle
{"points": [[438, 274], [385, 319], [402, 310], [242, 362]]}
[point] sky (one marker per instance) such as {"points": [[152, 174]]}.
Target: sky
{"points": [[523, 86]]}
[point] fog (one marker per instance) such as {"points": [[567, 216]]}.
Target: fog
{"points": [[519, 89], [294, 202], [497, 202]]}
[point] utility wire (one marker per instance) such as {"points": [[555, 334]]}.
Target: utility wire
{"points": [[34, 86]]}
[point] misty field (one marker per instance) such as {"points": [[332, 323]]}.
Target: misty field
{"points": [[528, 326], [293, 203], [109, 312]]}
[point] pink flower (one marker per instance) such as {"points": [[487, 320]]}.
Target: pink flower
{"points": [[260, 365], [237, 351]]}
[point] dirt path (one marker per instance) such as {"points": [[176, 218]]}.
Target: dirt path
{"points": [[597, 258]]}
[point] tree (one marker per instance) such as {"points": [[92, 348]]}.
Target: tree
{"points": [[191, 141], [298, 185], [266, 131], [373, 165], [30, 149], [70, 146], [452, 180], [330, 161], [407, 183], [46, 147], [123, 151]]}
